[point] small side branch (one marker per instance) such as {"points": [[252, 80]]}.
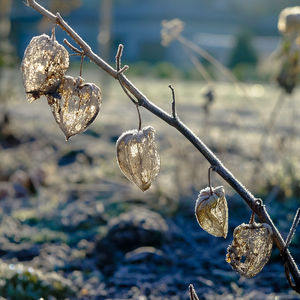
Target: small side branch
{"points": [[174, 114], [119, 73], [73, 48]]}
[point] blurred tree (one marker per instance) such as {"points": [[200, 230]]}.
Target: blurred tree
{"points": [[6, 49], [104, 36], [243, 51]]}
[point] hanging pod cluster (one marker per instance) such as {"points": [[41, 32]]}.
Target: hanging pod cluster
{"points": [[252, 243], [74, 104]]}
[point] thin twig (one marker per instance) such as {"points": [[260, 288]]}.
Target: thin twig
{"points": [[293, 229], [119, 56], [81, 64], [210, 59], [174, 114], [76, 50], [209, 181], [123, 69], [139, 115], [193, 294], [53, 33], [198, 65], [184, 130], [119, 73]]}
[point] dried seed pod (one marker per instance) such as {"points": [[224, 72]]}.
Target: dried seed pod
{"points": [[211, 211], [75, 105], [170, 30], [43, 66], [251, 248], [289, 20], [137, 156]]}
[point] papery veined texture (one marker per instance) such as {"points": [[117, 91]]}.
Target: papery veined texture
{"points": [[75, 105], [137, 156], [43, 66], [212, 212], [251, 248]]}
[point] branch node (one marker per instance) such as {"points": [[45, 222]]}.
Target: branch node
{"points": [[174, 114], [122, 70], [259, 202]]}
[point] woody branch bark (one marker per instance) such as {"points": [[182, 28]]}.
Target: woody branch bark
{"points": [[175, 122]]}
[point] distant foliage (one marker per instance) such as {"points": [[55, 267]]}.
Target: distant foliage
{"points": [[243, 51]]}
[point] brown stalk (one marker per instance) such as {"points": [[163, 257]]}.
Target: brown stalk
{"points": [[214, 161]]}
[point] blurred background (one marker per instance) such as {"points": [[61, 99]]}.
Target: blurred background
{"points": [[72, 226]]}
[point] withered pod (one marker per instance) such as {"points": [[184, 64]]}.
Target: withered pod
{"points": [[138, 157], [75, 105], [43, 66]]}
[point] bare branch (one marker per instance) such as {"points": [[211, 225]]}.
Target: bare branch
{"points": [[218, 166]]}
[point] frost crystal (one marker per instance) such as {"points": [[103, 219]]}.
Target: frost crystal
{"points": [[138, 157], [251, 248], [75, 105], [43, 66], [211, 211]]}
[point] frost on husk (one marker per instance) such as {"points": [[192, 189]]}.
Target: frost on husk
{"points": [[251, 248], [75, 105], [138, 157], [212, 212], [43, 66]]}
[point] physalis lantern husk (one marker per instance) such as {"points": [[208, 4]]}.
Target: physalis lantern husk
{"points": [[43, 66], [212, 212], [137, 156], [250, 249], [75, 105]]}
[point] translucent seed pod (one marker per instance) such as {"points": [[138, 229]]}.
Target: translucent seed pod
{"points": [[75, 105], [250, 249], [137, 156], [43, 66], [212, 212]]}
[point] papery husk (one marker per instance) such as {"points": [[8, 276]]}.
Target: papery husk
{"points": [[251, 248], [137, 156], [43, 66], [212, 212], [75, 105]]}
